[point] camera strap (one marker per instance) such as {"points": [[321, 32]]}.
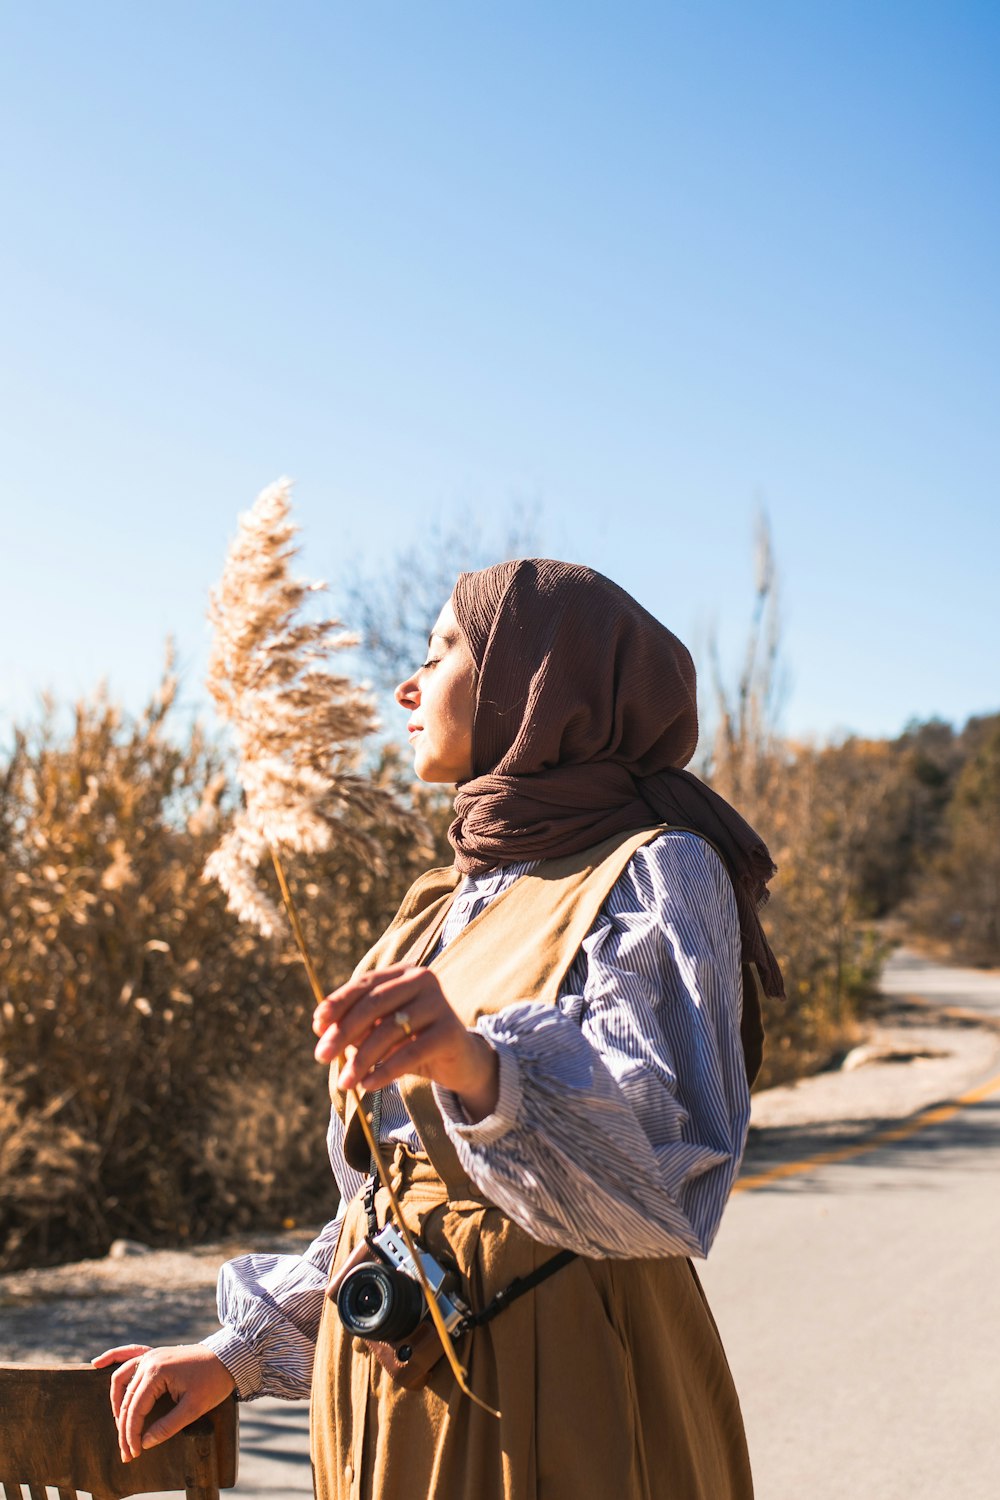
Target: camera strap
{"points": [[373, 1181], [503, 1298], [517, 1288]]}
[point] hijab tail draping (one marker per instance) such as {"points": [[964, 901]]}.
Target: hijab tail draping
{"points": [[679, 797]]}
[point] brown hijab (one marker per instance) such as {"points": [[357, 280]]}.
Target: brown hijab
{"points": [[585, 716]]}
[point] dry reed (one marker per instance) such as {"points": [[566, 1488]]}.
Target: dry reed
{"points": [[298, 727]]}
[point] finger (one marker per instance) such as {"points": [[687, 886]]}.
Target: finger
{"points": [[420, 1055], [349, 1028], [120, 1382], [172, 1421], [363, 982], [340, 1002], [385, 1039], [376, 1049], [115, 1356], [343, 1040], [138, 1404], [326, 1049], [122, 1416], [338, 999], [416, 1055]]}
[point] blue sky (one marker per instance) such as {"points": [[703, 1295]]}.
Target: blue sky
{"points": [[636, 268]]}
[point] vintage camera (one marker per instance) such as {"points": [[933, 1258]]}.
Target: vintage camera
{"points": [[380, 1300]]}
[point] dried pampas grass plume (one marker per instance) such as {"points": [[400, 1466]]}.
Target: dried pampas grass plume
{"points": [[298, 725], [298, 728]]}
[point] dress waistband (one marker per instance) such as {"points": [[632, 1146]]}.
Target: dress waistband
{"points": [[420, 1189]]}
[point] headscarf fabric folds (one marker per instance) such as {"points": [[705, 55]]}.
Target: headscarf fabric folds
{"points": [[585, 716]]}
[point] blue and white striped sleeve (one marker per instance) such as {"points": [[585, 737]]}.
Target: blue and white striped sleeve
{"points": [[270, 1307], [623, 1109]]}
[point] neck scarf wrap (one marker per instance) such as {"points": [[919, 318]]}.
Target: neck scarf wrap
{"points": [[585, 717]]}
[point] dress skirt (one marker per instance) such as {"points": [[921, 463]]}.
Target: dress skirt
{"points": [[610, 1377]]}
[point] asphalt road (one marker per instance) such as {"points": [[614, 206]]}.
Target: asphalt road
{"points": [[859, 1302]]}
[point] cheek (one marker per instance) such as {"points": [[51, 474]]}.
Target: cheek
{"points": [[464, 705], [468, 733]]}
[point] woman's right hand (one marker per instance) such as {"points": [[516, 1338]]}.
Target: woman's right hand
{"points": [[191, 1375]]}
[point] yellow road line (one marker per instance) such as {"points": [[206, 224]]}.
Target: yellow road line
{"points": [[959, 1013], [900, 1132]]}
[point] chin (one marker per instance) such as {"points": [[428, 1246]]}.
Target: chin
{"points": [[424, 768], [432, 773]]}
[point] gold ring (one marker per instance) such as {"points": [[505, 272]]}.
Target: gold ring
{"points": [[402, 1020]]}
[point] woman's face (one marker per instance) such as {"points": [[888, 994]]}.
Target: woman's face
{"points": [[441, 697]]}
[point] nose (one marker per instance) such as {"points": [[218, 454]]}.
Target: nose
{"points": [[407, 695]]}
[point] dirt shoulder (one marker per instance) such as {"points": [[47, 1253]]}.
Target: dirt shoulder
{"points": [[912, 1055], [62, 1314]]}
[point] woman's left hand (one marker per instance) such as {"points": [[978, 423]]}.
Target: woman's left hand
{"points": [[397, 1020]]}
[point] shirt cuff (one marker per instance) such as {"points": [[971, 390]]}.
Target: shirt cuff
{"points": [[492, 1127], [239, 1359]]}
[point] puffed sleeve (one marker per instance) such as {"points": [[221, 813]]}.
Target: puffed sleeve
{"points": [[269, 1308], [270, 1305], [623, 1109]]}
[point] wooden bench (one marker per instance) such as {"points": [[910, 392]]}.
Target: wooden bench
{"points": [[57, 1431]]}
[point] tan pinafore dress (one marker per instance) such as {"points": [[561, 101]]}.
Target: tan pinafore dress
{"points": [[610, 1376]]}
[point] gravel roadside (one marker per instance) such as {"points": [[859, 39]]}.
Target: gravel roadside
{"points": [[67, 1313]]}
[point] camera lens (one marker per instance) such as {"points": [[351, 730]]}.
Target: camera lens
{"points": [[378, 1302]]}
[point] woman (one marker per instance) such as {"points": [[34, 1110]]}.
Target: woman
{"points": [[563, 1015]]}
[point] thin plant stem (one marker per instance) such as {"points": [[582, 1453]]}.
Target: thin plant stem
{"points": [[383, 1172], [300, 939]]}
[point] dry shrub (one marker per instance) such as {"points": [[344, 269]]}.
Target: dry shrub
{"points": [[266, 1138], [817, 811], [156, 1074], [955, 908], [816, 808], [157, 1078]]}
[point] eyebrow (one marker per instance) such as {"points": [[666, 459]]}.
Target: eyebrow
{"points": [[449, 637]]}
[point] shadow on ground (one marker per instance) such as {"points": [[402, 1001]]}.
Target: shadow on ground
{"points": [[928, 1150]]}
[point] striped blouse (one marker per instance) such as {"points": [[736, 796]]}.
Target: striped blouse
{"points": [[622, 1111]]}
